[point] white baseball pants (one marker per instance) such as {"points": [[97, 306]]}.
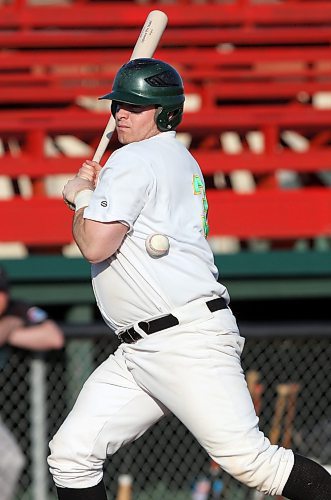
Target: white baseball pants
{"points": [[192, 370]]}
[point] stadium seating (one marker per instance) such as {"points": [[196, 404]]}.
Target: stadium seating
{"points": [[89, 23], [257, 78]]}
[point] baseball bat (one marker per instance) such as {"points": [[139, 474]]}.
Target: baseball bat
{"points": [[291, 410], [284, 392], [282, 395], [124, 491], [255, 388], [285, 405], [292, 393], [145, 46]]}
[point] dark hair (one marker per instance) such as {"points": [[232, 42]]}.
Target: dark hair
{"points": [[4, 283]]}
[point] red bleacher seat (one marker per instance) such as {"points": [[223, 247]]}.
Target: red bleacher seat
{"points": [[113, 23], [253, 67]]}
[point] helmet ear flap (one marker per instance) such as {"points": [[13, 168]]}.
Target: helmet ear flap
{"points": [[168, 118]]}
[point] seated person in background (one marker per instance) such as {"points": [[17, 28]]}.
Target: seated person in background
{"points": [[25, 327]]}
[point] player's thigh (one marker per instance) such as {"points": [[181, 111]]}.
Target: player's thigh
{"points": [[111, 410], [218, 410], [218, 407], [195, 370]]}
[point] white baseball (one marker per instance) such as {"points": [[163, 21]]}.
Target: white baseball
{"points": [[157, 245]]}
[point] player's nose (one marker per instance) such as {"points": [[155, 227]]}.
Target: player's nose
{"points": [[122, 112]]}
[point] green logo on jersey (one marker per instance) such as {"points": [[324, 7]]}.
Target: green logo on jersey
{"points": [[199, 189]]}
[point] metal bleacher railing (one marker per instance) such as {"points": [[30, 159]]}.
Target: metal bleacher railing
{"points": [[167, 462]]}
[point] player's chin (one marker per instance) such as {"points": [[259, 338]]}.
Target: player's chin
{"points": [[123, 140], [123, 136]]}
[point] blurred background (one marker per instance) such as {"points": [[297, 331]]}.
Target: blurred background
{"points": [[257, 77]]}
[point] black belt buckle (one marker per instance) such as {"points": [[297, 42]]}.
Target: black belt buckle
{"points": [[129, 336]]}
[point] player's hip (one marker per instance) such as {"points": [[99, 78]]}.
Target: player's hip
{"points": [[194, 311]]}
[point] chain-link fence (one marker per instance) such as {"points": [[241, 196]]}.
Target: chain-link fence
{"points": [[288, 371]]}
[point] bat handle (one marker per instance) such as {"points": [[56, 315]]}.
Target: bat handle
{"points": [[110, 127], [124, 487]]}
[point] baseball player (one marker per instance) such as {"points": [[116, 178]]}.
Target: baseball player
{"points": [[181, 347]]}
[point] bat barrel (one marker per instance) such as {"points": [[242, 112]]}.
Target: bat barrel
{"points": [[150, 34]]}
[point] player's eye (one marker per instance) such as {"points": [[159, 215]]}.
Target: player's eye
{"points": [[136, 109]]}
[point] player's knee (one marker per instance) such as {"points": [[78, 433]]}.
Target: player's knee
{"points": [[61, 459], [263, 469], [71, 464]]}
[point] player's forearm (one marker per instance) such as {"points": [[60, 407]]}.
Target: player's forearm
{"points": [[43, 337], [7, 326], [83, 236], [97, 240]]}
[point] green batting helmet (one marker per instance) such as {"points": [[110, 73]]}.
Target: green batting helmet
{"points": [[148, 82]]}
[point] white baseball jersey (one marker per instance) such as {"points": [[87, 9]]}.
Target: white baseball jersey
{"points": [[153, 186]]}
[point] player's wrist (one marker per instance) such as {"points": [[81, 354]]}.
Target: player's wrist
{"points": [[82, 199]]}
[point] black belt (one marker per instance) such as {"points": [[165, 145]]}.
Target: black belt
{"points": [[130, 335]]}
